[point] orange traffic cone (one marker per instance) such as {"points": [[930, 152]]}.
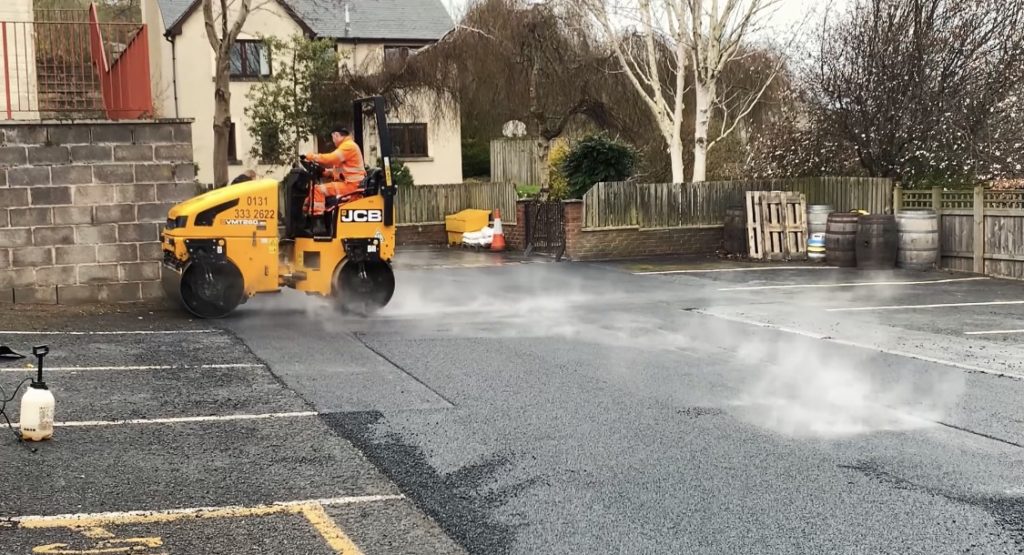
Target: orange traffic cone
{"points": [[498, 242]]}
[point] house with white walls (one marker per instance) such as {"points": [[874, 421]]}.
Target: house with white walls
{"points": [[366, 33]]}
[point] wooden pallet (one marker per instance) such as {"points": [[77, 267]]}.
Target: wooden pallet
{"points": [[776, 225]]}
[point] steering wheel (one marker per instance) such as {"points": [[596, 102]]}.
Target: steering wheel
{"points": [[310, 166]]}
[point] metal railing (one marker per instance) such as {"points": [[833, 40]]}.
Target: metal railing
{"points": [[74, 67]]}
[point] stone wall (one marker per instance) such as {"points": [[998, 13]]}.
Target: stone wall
{"points": [[632, 242], [81, 207]]}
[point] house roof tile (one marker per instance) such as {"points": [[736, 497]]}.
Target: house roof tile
{"points": [[375, 19], [425, 20], [172, 10]]}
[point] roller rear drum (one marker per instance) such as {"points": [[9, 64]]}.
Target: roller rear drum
{"points": [[364, 287]]}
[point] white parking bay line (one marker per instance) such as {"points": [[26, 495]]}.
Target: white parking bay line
{"points": [[181, 419], [992, 332], [745, 269], [119, 332], [32, 368], [867, 346], [913, 306], [856, 284]]}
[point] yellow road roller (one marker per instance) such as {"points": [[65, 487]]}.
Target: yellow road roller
{"points": [[226, 245]]}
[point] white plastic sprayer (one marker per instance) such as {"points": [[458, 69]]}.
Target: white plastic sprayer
{"points": [[37, 404]]}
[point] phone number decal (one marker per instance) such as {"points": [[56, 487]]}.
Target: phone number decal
{"points": [[257, 213]]}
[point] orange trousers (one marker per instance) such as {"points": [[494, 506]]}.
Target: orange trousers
{"points": [[334, 189]]}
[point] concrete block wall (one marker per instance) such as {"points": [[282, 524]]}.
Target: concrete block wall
{"points": [[82, 205], [632, 242]]}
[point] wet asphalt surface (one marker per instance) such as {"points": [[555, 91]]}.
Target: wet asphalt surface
{"points": [[542, 407], [100, 464]]}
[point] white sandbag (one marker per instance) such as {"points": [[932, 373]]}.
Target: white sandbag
{"points": [[478, 238]]}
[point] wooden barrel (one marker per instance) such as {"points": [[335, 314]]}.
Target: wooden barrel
{"points": [[877, 242], [817, 218], [918, 239], [840, 234], [736, 230]]}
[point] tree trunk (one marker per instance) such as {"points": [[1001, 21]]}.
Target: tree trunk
{"points": [[542, 150], [703, 95], [221, 128], [675, 151]]}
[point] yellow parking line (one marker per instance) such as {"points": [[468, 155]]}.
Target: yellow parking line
{"points": [[93, 524], [128, 545], [154, 517], [332, 534]]}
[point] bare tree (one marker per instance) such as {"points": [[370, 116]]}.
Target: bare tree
{"points": [[716, 35], [516, 60], [658, 46], [674, 39], [509, 59], [222, 32], [918, 89]]}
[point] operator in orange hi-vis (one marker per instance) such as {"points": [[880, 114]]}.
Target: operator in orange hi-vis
{"points": [[344, 166]]}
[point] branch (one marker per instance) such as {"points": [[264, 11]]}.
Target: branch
{"points": [[224, 23], [750, 107], [602, 17], [637, 69], [211, 31], [237, 27], [652, 54]]}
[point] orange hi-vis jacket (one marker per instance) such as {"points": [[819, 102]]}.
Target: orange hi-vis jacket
{"points": [[344, 166]]}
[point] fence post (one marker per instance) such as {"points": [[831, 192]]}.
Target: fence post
{"points": [[7, 71], [937, 199], [897, 198], [979, 229]]}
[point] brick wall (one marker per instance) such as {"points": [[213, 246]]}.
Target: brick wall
{"points": [[435, 235], [515, 235], [81, 206], [581, 244], [420, 234]]}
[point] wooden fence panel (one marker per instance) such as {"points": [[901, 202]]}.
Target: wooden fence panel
{"points": [[956, 240], [981, 231], [660, 205], [611, 205], [515, 161], [843, 193], [429, 204], [1004, 248]]}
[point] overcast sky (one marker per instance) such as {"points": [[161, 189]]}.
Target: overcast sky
{"points": [[793, 11], [789, 12]]}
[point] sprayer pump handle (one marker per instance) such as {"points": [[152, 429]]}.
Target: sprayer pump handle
{"points": [[41, 351]]}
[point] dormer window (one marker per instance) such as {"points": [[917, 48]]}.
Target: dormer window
{"points": [[396, 54]]}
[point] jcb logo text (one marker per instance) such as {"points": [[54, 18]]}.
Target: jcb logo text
{"points": [[362, 215]]}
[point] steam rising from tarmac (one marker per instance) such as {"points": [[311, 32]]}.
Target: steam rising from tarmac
{"points": [[806, 387], [790, 384], [537, 308]]}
